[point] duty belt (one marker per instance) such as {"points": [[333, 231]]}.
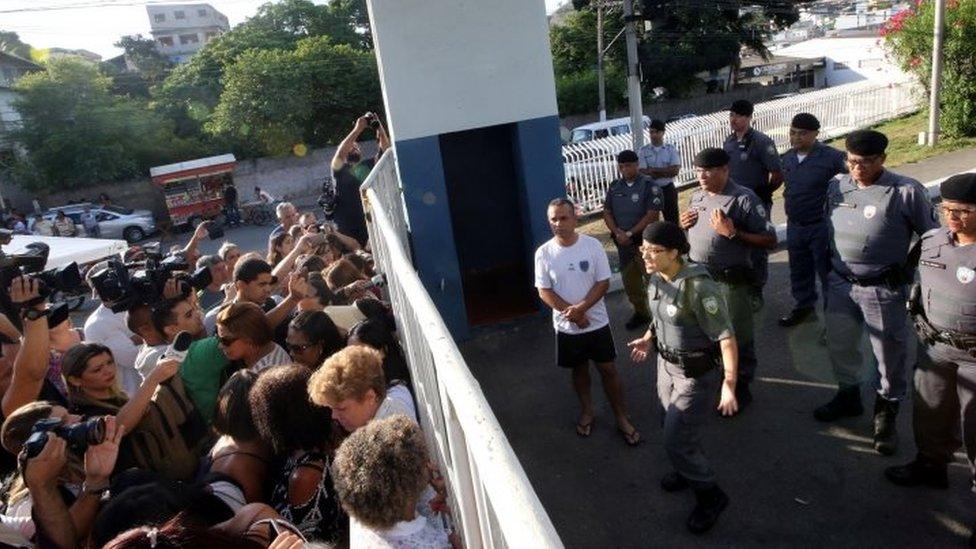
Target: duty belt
{"points": [[930, 334], [694, 363], [890, 276], [733, 275]]}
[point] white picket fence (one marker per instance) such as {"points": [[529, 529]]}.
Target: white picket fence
{"points": [[591, 166], [492, 501]]}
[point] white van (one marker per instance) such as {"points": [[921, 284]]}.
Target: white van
{"points": [[597, 130]]}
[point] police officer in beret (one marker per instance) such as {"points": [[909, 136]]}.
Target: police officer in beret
{"points": [[808, 167], [725, 224], [755, 164], [632, 203], [943, 306], [696, 353], [873, 214]]}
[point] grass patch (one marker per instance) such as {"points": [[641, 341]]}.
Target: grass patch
{"points": [[903, 147]]}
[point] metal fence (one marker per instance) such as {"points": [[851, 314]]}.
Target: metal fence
{"points": [[591, 166], [492, 501]]}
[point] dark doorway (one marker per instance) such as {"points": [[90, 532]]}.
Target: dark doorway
{"points": [[483, 193]]}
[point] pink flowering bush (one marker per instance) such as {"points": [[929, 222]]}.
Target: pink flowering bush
{"points": [[908, 38]]}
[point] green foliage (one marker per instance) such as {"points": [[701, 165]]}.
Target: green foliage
{"points": [[10, 42], [577, 93], [275, 99], [908, 36], [77, 133], [573, 42]]}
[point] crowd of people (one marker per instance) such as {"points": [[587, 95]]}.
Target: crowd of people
{"points": [[270, 408], [871, 237]]}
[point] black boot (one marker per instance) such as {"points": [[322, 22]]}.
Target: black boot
{"points": [[846, 403], [885, 434], [920, 472], [674, 482], [710, 504], [796, 316]]}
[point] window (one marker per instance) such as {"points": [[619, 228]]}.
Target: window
{"points": [[179, 14], [210, 36], [166, 41], [202, 12], [838, 66], [159, 17], [189, 39]]}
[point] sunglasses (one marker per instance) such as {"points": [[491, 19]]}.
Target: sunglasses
{"points": [[299, 348], [226, 341]]}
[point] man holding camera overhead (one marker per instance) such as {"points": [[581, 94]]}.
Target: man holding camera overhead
{"points": [[349, 170]]}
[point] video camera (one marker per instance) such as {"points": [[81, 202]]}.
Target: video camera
{"points": [[31, 262], [78, 436], [122, 286]]}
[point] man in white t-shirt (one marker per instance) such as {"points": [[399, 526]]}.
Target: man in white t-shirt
{"points": [[572, 274], [661, 162]]}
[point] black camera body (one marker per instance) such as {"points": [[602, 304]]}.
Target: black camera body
{"points": [[31, 262], [123, 286], [374, 121], [79, 436]]}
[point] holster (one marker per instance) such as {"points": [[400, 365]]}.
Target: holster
{"points": [[694, 363], [733, 275]]}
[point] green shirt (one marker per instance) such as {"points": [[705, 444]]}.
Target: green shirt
{"points": [[202, 371]]}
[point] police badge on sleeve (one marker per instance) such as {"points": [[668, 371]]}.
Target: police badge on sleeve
{"points": [[711, 305], [965, 275]]}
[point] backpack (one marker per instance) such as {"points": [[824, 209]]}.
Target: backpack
{"points": [[172, 436]]}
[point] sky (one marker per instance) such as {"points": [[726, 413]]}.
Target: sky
{"points": [[95, 25]]}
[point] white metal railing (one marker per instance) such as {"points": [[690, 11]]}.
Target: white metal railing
{"points": [[591, 166], [492, 501]]}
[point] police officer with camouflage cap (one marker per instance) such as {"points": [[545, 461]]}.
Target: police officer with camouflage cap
{"points": [[725, 224], [808, 167], [943, 305], [873, 214], [632, 203], [696, 352], [755, 164]]}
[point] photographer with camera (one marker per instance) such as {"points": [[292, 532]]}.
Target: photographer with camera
{"points": [[349, 170], [53, 480], [109, 328]]}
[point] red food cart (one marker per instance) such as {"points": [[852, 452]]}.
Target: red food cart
{"points": [[194, 189]]}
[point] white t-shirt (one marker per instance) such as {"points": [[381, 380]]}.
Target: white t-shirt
{"points": [[419, 533], [276, 357], [571, 271], [108, 328], [147, 358], [397, 401]]}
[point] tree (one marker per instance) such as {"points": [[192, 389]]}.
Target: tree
{"points": [[574, 56], [274, 99], [10, 42], [149, 67], [77, 134], [908, 36]]}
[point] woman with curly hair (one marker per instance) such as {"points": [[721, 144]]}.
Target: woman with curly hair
{"points": [[299, 433]]}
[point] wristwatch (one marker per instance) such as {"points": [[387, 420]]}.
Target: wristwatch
{"points": [[35, 314]]}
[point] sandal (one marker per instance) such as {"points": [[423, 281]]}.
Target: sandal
{"points": [[585, 429], [633, 438]]}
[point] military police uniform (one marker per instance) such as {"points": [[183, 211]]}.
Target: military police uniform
{"points": [[628, 202], [664, 156], [870, 230], [751, 160], [805, 192], [729, 260], [944, 308]]}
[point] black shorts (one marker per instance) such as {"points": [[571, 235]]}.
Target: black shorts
{"points": [[573, 350]]}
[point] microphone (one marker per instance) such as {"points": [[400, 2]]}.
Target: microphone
{"points": [[179, 347]]}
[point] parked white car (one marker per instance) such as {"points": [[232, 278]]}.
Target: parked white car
{"points": [[115, 222]]}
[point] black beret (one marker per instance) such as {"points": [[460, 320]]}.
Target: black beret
{"points": [[626, 156], [960, 188], [866, 142], [657, 125], [711, 158], [667, 234], [805, 121], [741, 106]]}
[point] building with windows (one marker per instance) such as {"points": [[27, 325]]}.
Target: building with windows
{"points": [[11, 69], [180, 30]]}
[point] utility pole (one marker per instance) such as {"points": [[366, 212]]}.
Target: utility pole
{"points": [[599, 61], [633, 78], [933, 137]]}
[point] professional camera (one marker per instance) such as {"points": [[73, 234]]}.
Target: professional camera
{"points": [[122, 286], [78, 436], [374, 121], [67, 281]]}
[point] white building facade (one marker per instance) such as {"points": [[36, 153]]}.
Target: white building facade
{"points": [[848, 59], [180, 30]]}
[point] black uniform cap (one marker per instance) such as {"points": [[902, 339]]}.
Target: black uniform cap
{"points": [[866, 142], [805, 121], [960, 188], [667, 234], [626, 157], [743, 107], [657, 125], [711, 158]]}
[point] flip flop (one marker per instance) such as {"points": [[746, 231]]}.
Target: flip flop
{"points": [[585, 429], [632, 438]]}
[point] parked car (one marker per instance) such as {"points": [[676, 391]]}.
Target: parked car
{"points": [[597, 130], [113, 221]]}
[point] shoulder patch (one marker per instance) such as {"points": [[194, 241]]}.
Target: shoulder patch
{"points": [[761, 210], [710, 305]]}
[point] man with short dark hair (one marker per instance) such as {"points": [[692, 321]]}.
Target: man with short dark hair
{"points": [[213, 294], [661, 162], [139, 320], [872, 215], [632, 202], [349, 170]]}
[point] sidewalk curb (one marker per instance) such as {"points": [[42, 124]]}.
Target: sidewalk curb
{"points": [[616, 284]]}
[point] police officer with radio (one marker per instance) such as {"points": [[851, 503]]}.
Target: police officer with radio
{"points": [[808, 168], [725, 224], [754, 164], [632, 202], [696, 353], [943, 307], [872, 215]]}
